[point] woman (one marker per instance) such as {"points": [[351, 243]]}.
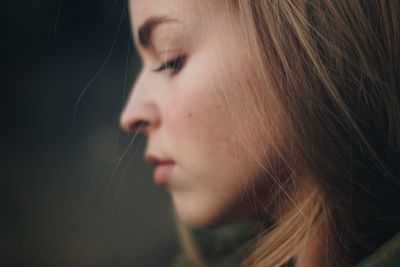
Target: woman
{"points": [[282, 111]]}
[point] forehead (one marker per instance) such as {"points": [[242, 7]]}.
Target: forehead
{"points": [[181, 10]]}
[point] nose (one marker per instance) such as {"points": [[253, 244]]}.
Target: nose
{"points": [[141, 112]]}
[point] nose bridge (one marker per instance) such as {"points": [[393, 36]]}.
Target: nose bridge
{"points": [[141, 110]]}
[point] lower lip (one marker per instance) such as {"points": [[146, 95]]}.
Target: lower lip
{"points": [[161, 173]]}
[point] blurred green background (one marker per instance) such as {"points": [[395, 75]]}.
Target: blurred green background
{"points": [[75, 191]]}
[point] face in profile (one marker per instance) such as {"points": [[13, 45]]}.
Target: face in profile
{"points": [[191, 99]]}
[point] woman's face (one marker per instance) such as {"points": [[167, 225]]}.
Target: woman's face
{"points": [[191, 95]]}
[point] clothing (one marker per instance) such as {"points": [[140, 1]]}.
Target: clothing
{"points": [[220, 248], [388, 255]]}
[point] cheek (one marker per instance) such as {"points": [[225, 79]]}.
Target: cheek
{"points": [[199, 112], [207, 126], [209, 139], [198, 125]]}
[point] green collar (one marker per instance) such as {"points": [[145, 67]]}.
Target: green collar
{"points": [[388, 255], [220, 248]]}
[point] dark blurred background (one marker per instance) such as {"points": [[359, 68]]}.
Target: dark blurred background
{"points": [[75, 191]]}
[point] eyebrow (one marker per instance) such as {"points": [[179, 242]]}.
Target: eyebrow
{"points": [[148, 27]]}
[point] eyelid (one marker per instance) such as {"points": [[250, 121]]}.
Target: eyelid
{"points": [[174, 65]]}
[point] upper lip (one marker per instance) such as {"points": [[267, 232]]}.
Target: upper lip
{"points": [[157, 160]]}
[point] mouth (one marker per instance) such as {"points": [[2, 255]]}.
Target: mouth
{"points": [[163, 169]]}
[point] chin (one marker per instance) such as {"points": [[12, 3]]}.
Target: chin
{"points": [[201, 214]]}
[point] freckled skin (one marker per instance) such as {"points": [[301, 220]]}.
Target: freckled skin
{"points": [[196, 116]]}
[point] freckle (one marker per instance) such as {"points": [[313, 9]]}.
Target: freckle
{"points": [[218, 106]]}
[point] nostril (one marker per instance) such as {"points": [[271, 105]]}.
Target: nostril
{"points": [[139, 127]]}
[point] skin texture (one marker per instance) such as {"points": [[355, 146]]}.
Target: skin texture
{"points": [[197, 117]]}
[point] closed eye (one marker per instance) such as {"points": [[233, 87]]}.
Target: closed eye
{"points": [[174, 65]]}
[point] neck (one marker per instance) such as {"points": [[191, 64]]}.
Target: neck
{"points": [[314, 253]]}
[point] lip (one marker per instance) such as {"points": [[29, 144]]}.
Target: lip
{"points": [[161, 173], [163, 168]]}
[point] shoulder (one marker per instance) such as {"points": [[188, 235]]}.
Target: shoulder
{"points": [[388, 255]]}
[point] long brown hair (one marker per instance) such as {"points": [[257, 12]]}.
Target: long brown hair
{"points": [[333, 67]]}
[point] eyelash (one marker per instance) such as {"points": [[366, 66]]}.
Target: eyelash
{"points": [[174, 65]]}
